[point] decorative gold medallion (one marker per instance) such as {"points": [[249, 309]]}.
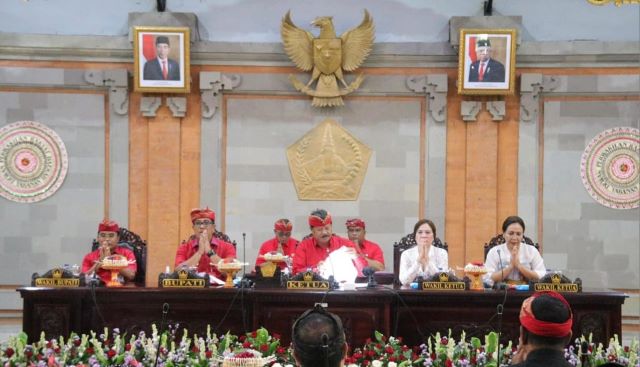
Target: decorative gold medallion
{"points": [[327, 56], [328, 163]]}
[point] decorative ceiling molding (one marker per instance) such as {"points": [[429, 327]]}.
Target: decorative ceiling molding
{"points": [[177, 105], [531, 85], [118, 83], [435, 87], [469, 110], [211, 86], [149, 106], [496, 109]]}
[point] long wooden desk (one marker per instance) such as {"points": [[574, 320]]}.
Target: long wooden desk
{"points": [[401, 312]]}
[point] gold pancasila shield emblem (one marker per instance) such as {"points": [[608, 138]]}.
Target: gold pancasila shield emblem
{"points": [[327, 56], [328, 163]]}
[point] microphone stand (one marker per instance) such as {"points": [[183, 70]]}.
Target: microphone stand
{"points": [[244, 254], [165, 311], [500, 308]]}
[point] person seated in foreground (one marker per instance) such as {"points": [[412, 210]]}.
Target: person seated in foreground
{"points": [[282, 243], [108, 240], [424, 259], [513, 261], [545, 329], [314, 250], [370, 251], [318, 339], [203, 251]]}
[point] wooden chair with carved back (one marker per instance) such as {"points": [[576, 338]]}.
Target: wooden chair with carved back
{"points": [[138, 246], [404, 244], [499, 240]]}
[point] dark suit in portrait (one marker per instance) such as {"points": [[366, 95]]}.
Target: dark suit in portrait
{"points": [[494, 72], [153, 70]]}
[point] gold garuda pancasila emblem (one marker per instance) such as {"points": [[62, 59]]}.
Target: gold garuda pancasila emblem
{"points": [[328, 163], [327, 56]]}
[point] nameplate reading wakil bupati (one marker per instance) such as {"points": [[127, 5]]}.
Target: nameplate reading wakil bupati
{"points": [[56, 282], [183, 283], [558, 287], [313, 284], [443, 286]]}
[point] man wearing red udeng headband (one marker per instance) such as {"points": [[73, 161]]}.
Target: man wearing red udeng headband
{"points": [[281, 243], [316, 248], [545, 330]]}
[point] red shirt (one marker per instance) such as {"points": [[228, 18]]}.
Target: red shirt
{"points": [[372, 250], [272, 245], [188, 249], [308, 253], [105, 274]]}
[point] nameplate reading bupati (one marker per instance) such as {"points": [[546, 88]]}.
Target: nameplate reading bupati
{"points": [[314, 284], [183, 283], [183, 278], [443, 286]]}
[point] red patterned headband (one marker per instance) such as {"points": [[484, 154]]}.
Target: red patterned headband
{"points": [[545, 328], [283, 226], [355, 222], [205, 213], [315, 221], [108, 226]]}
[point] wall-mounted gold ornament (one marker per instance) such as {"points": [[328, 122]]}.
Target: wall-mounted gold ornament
{"points": [[617, 2], [327, 56], [328, 163]]}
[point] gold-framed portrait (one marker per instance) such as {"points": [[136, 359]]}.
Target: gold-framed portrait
{"points": [[161, 59], [487, 61]]}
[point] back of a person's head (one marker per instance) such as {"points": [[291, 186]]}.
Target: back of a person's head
{"points": [[318, 339], [554, 316]]}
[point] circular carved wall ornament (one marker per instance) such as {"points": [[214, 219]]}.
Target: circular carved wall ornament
{"points": [[33, 162], [610, 168]]}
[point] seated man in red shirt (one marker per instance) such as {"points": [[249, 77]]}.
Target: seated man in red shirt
{"points": [[370, 251], [282, 243], [315, 249], [108, 239], [202, 249]]}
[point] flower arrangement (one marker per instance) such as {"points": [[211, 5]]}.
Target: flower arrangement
{"points": [[176, 349]]}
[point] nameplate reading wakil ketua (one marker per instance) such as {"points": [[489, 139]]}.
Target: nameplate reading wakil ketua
{"points": [[557, 282], [58, 278], [182, 279], [443, 282]]}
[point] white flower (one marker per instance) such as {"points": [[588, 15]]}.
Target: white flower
{"points": [[392, 364], [376, 363], [352, 365], [276, 365]]}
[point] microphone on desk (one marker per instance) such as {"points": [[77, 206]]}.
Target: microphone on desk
{"points": [[369, 273]]}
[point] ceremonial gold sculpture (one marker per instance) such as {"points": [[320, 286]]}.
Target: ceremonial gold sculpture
{"points": [[327, 56], [328, 163]]}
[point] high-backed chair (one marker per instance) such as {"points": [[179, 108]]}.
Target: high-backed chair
{"points": [[499, 240], [138, 246], [404, 244]]}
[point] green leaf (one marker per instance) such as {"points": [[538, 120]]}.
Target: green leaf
{"points": [[379, 336], [491, 341], [476, 343], [262, 335]]}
